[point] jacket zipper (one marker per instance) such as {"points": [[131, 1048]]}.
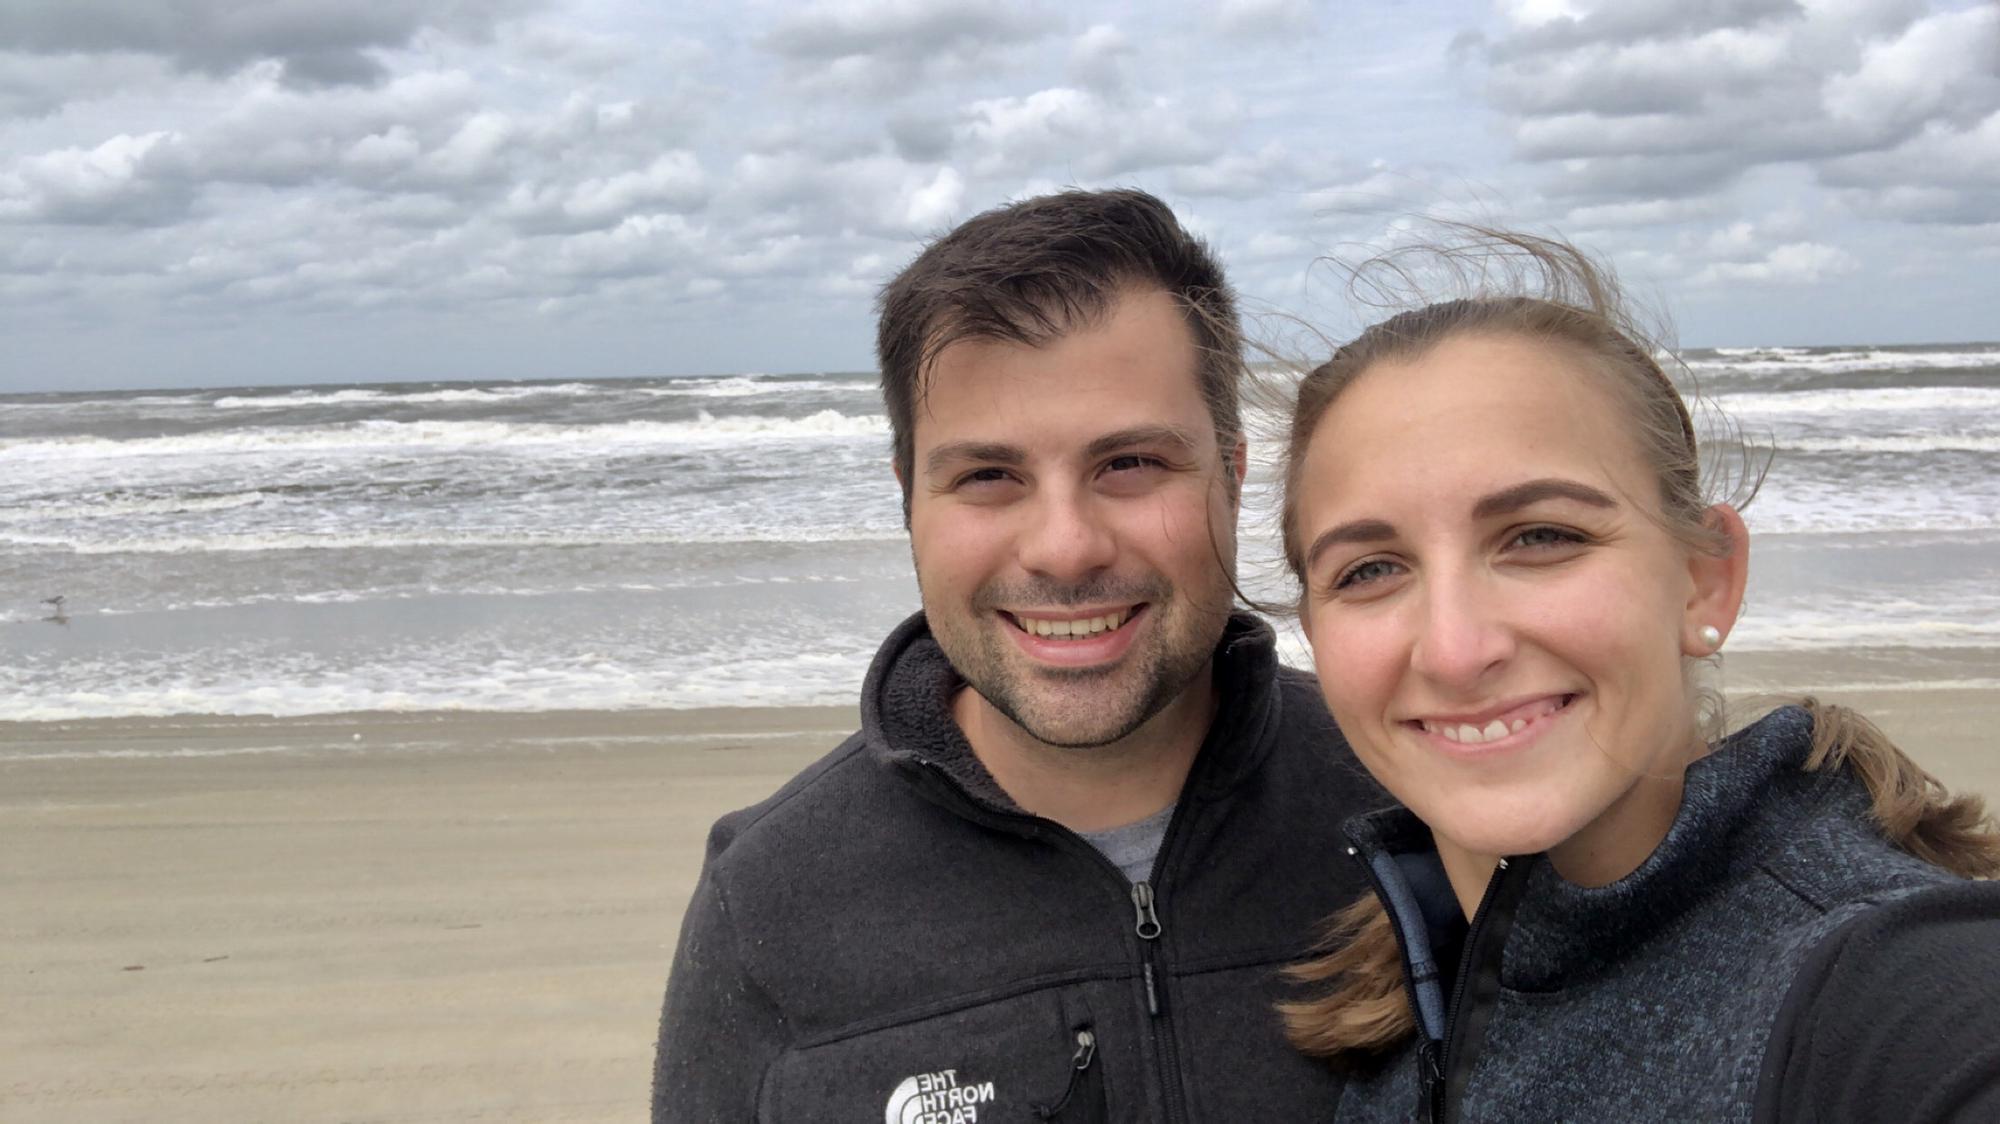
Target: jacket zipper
{"points": [[1146, 924], [1436, 1061], [1452, 1060], [1429, 1073]]}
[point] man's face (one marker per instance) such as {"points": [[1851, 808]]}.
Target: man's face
{"points": [[1072, 522]]}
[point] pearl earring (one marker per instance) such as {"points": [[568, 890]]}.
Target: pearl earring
{"points": [[1711, 636]]}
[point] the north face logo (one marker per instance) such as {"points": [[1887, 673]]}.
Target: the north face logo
{"points": [[937, 1098]]}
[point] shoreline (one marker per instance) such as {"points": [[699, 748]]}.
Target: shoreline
{"points": [[351, 731], [1817, 671]]}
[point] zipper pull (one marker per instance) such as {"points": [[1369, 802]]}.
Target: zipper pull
{"points": [[1430, 1079], [1148, 923], [1086, 1052]]}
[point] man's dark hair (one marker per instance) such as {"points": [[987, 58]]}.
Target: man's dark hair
{"points": [[1029, 272]]}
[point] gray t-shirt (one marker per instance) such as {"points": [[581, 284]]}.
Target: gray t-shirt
{"points": [[1133, 847]]}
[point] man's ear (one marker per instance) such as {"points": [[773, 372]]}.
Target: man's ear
{"points": [[1236, 461], [1716, 593]]}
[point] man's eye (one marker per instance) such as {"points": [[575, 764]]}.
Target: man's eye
{"points": [[983, 476], [1128, 462]]}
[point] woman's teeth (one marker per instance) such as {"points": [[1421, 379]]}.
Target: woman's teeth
{"points": [[1090, 626], [1468, 734], [1475, 735]]}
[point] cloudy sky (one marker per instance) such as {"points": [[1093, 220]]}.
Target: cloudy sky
{"points": [[225, 192]]}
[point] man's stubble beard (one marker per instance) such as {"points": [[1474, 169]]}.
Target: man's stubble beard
{"points": [[1160, 671]]}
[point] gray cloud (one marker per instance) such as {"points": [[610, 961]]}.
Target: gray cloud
{"points": [[1092, 135], [319, 44], [872, 47], [582, 163], [35, 85], [1643, 212], [1668, 100], [1263, 19], [1242, 175], [595, 53], [118, 183], [1638, 21], [902, 29], [674, 182], [921, 137], [1794, 263], [714, 179], [1101, 58], [1944, 175]]}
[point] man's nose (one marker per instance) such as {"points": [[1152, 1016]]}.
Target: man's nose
{"points": [[1066, 536], [1463, 635]]}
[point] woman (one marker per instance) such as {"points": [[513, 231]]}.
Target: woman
{"points": [[1584, 910]]}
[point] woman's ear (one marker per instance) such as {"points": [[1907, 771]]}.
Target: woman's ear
{"points": [[1718, 579]]}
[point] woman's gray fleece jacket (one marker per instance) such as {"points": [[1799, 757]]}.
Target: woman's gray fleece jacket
{"points": [[1774, 959], [889, 937]]}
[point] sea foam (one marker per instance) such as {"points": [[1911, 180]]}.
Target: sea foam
{"points": [[375, 435], [1967, 401], [1778, 360]]}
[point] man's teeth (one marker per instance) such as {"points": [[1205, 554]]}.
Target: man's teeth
{"points": [[1469, 734], [1088, 627]]}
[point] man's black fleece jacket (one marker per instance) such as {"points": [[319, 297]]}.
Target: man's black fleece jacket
{"points": [[889, 937]]}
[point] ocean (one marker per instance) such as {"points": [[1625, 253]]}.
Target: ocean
{"points": [[737, 540]]}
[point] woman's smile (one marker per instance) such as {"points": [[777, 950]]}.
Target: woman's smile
{"points": [[1493, 729]]}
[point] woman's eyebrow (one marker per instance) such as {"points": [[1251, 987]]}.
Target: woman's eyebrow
{"points": [[1534, 491], [1498, 503], [1355, 531]]}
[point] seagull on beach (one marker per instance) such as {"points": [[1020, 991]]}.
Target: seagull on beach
{"points": [[57, 601], [56, 612]]}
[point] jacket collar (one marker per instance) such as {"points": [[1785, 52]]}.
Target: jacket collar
{"points": [[1738, 802], [906, 715]]}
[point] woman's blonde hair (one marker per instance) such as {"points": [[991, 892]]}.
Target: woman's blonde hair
{"points": [[1556, 294]]}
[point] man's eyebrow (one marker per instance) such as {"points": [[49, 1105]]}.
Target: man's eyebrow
{"points": [[984, 452], [1357, 531], [1140, 435], [1534, 491], [993, 452]]}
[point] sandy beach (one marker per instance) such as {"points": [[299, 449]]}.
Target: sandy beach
{"points": [[427, 917], [451, 918]]}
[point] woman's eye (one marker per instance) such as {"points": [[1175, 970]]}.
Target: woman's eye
{"points": [[1546, 537], [1361, 573]]}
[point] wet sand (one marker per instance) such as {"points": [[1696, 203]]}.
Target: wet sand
{"points": [[454, 917], [1948, 724]]}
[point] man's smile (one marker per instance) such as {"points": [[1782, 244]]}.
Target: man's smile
{"points": [[1074, 640], [1067, 625]]}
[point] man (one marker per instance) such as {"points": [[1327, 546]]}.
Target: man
{"points": [[1087, 819]]}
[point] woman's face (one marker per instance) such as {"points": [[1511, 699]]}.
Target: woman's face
{"points": [[1497, 616]]}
